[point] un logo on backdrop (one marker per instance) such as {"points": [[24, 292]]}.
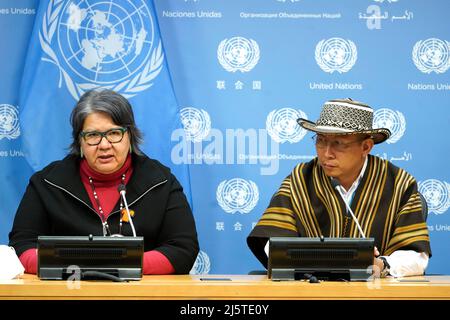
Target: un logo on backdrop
{"points": [[9, 122], [102, 44], [393, 120], [336, 54], [437, 194], [282, 125], [202, 265], [237, 195], [431, 55], [238, 53], [196, 123]]}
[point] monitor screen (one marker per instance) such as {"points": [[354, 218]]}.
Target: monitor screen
{"points": [[90, 257], [333, 259]]}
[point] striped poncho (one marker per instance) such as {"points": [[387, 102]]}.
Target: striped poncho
{"points": [[386, 204]]}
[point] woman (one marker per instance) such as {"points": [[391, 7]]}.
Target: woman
{"points": [[79, 194]]}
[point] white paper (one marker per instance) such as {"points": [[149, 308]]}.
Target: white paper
{"points": [[10, 265]]}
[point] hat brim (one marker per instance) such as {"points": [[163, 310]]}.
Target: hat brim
{"points": [[378, 135]]}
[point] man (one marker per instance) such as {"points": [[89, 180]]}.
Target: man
{"points": [[383, 197]]}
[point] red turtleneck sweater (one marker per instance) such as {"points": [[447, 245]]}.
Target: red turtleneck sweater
{"points": [[105, 185], [106, 188]]}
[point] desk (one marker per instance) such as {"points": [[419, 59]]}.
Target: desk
{"points": [[242, 287]]}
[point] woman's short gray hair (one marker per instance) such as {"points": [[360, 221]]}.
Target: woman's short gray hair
{"points": [[110, 103]]}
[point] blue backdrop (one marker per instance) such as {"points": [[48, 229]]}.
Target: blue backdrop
{"points": [[217, 85]]}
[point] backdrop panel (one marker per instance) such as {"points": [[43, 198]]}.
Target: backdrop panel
{"points": [[241, 73]]}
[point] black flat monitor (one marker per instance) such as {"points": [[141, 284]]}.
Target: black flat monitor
{"points": [[331, 259], [90, 257]]}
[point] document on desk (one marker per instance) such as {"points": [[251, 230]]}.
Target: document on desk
{"points": [[11, 267]]}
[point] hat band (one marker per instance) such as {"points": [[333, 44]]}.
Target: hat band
{"points": [[332, 129], [345, 127]]}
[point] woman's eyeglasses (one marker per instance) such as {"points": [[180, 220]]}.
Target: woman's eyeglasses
{"points": [[93, 138]]}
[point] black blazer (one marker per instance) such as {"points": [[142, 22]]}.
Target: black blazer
{"points": [[56, 203]]}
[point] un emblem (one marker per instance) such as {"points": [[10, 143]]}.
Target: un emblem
{"points": [[393, 120], [336, 54], [431, 55], [237, 195], [437, 194], [102, 44], [238, 53], [9, 122], [282, 125], [196, 124], [202, 265]]}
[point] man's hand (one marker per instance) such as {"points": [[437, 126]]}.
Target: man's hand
{"points": [[378, 264]]}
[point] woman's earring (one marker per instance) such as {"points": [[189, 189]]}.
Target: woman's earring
{"points": [[131, 150], [81, 153]]}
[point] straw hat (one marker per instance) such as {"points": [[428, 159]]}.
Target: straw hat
{"points": [[345, 116]]}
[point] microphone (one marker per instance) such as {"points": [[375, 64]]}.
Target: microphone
{"points": [[122, 190], [337, 186]]}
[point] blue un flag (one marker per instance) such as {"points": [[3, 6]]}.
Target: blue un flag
{"points": [[81, 45]]}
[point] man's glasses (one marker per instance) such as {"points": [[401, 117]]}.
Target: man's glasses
{"points": [[93, 138], [337, 145]]}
